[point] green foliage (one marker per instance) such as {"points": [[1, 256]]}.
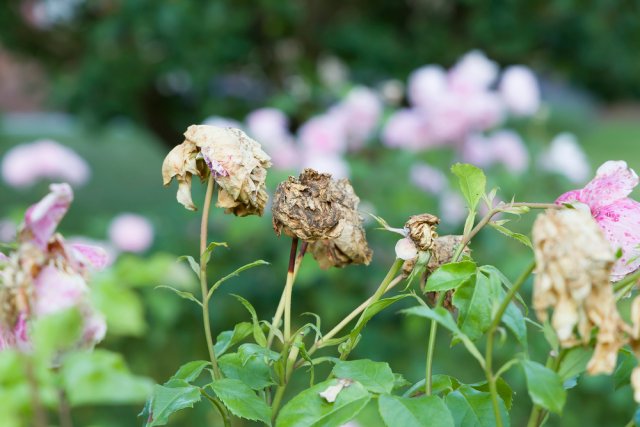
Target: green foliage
{"points": [[472, 182], [414, 412], [544, 386], [473, 301], [228, 339], [254, 371], [309, 409], [168, 399], [376, 377], [190, 371], [473, 408], [258, 333], [241, 400], [57, 332], [450, 276]]}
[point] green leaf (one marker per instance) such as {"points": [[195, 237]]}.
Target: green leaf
{"points": [[443, 317], [450, 276], [512, 318], [309, 409], [57, 331], [233, 274], [258, 333], [254, 372], [182, 294], [544, 386], [574, 362], [206, 255], [472, 182], [121, 306], [550, 335], [414, 412], [504, 390], [443, 384], [228, 339], [192, 263], [241, 400], [622, 374], [472, 299], [473, 408], [249, 351], [165, 401], [102, 377], [517, 236], [371, 311], [376, 377], [190, 371]]}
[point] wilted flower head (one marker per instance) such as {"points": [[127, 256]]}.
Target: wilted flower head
{"points": [[131, 232], [421, 229], [574, 261], [26, 164], [322, 211], [46, 275], [616, 214], [237, 163]]}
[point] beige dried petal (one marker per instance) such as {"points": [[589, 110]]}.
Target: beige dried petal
{"points": [[330, 394], [239, 166], [422, 230], [635, 383], [181, 163]]}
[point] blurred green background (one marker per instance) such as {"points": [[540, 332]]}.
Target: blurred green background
{"points": [[119, 81]]}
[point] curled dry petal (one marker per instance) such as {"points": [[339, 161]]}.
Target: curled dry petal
{"points": [[238, 164], [635, 383], [181, 163], [406, 249], [574, 262], [422, 230], [41, 219], [330, 394]]}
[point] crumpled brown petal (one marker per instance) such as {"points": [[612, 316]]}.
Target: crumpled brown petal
{"points": [[181, 163], [574, 262], [422, 230], [239, 166], [323, 212]]}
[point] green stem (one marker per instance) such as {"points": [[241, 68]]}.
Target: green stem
{"points": [[430, 353], [488, 359], [288, 289], [539, 414], [219, 406], [39, 413], [203, 278], [627, 282], [291, 362]]}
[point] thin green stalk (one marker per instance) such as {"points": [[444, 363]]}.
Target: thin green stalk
{"points": [[219, 406], [203, 278], [626, 284], [64, 411], [431, 349], [39, 413], [288, 290], [488, 359], [291, 361]]}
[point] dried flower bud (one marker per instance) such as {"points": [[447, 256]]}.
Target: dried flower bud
{"points": [[308, 207], [422, 230], [574, 262], [444, 248], [237, 162]]}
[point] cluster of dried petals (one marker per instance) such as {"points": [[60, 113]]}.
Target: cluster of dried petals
{"points": [[421, 230], [574, 262], [323, 212], [237, 163], [444, 247], [46, 275]]}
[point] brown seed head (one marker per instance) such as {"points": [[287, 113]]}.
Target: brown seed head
{"points": [[422, 230]]}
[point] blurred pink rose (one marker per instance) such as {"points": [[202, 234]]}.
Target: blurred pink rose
{"points": [[269, 126], [453, 209], [406, 129], [473, 72], [427, 178], [131, 233], [565, 157], [362, 109], [477, 150], [57, 290], [483, 110], [510, 150], [8, 230], [519, 90], [324, 135], [25, 164], [427, 85], [42, 219]]}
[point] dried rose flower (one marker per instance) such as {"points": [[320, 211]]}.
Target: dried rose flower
{"points": [[322, 211], [237, 162], [421, 230], [574, 262]]}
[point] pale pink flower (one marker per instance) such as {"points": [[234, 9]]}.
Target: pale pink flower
{"points": [[483, 110], [324, 135], [406, 129], [520, 91], [473, 72], [453, 209], [26, 164], [270, 126], [131, 233], [509, 149], [362, 109], [8, 230], [478, 151], [616, 214], [16, 337], [427, 85], [57, 290], [42, 219], [427, 178], [565, 157]]}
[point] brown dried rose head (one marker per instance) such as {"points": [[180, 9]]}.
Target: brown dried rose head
{"points": [[422, 230], [444, 248], [307, 207], [238, 164], [573, 266]]}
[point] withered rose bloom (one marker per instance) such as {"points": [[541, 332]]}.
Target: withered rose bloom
{"points": [[238, 164], [323, 212], [421, 230], [574, 262]]}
